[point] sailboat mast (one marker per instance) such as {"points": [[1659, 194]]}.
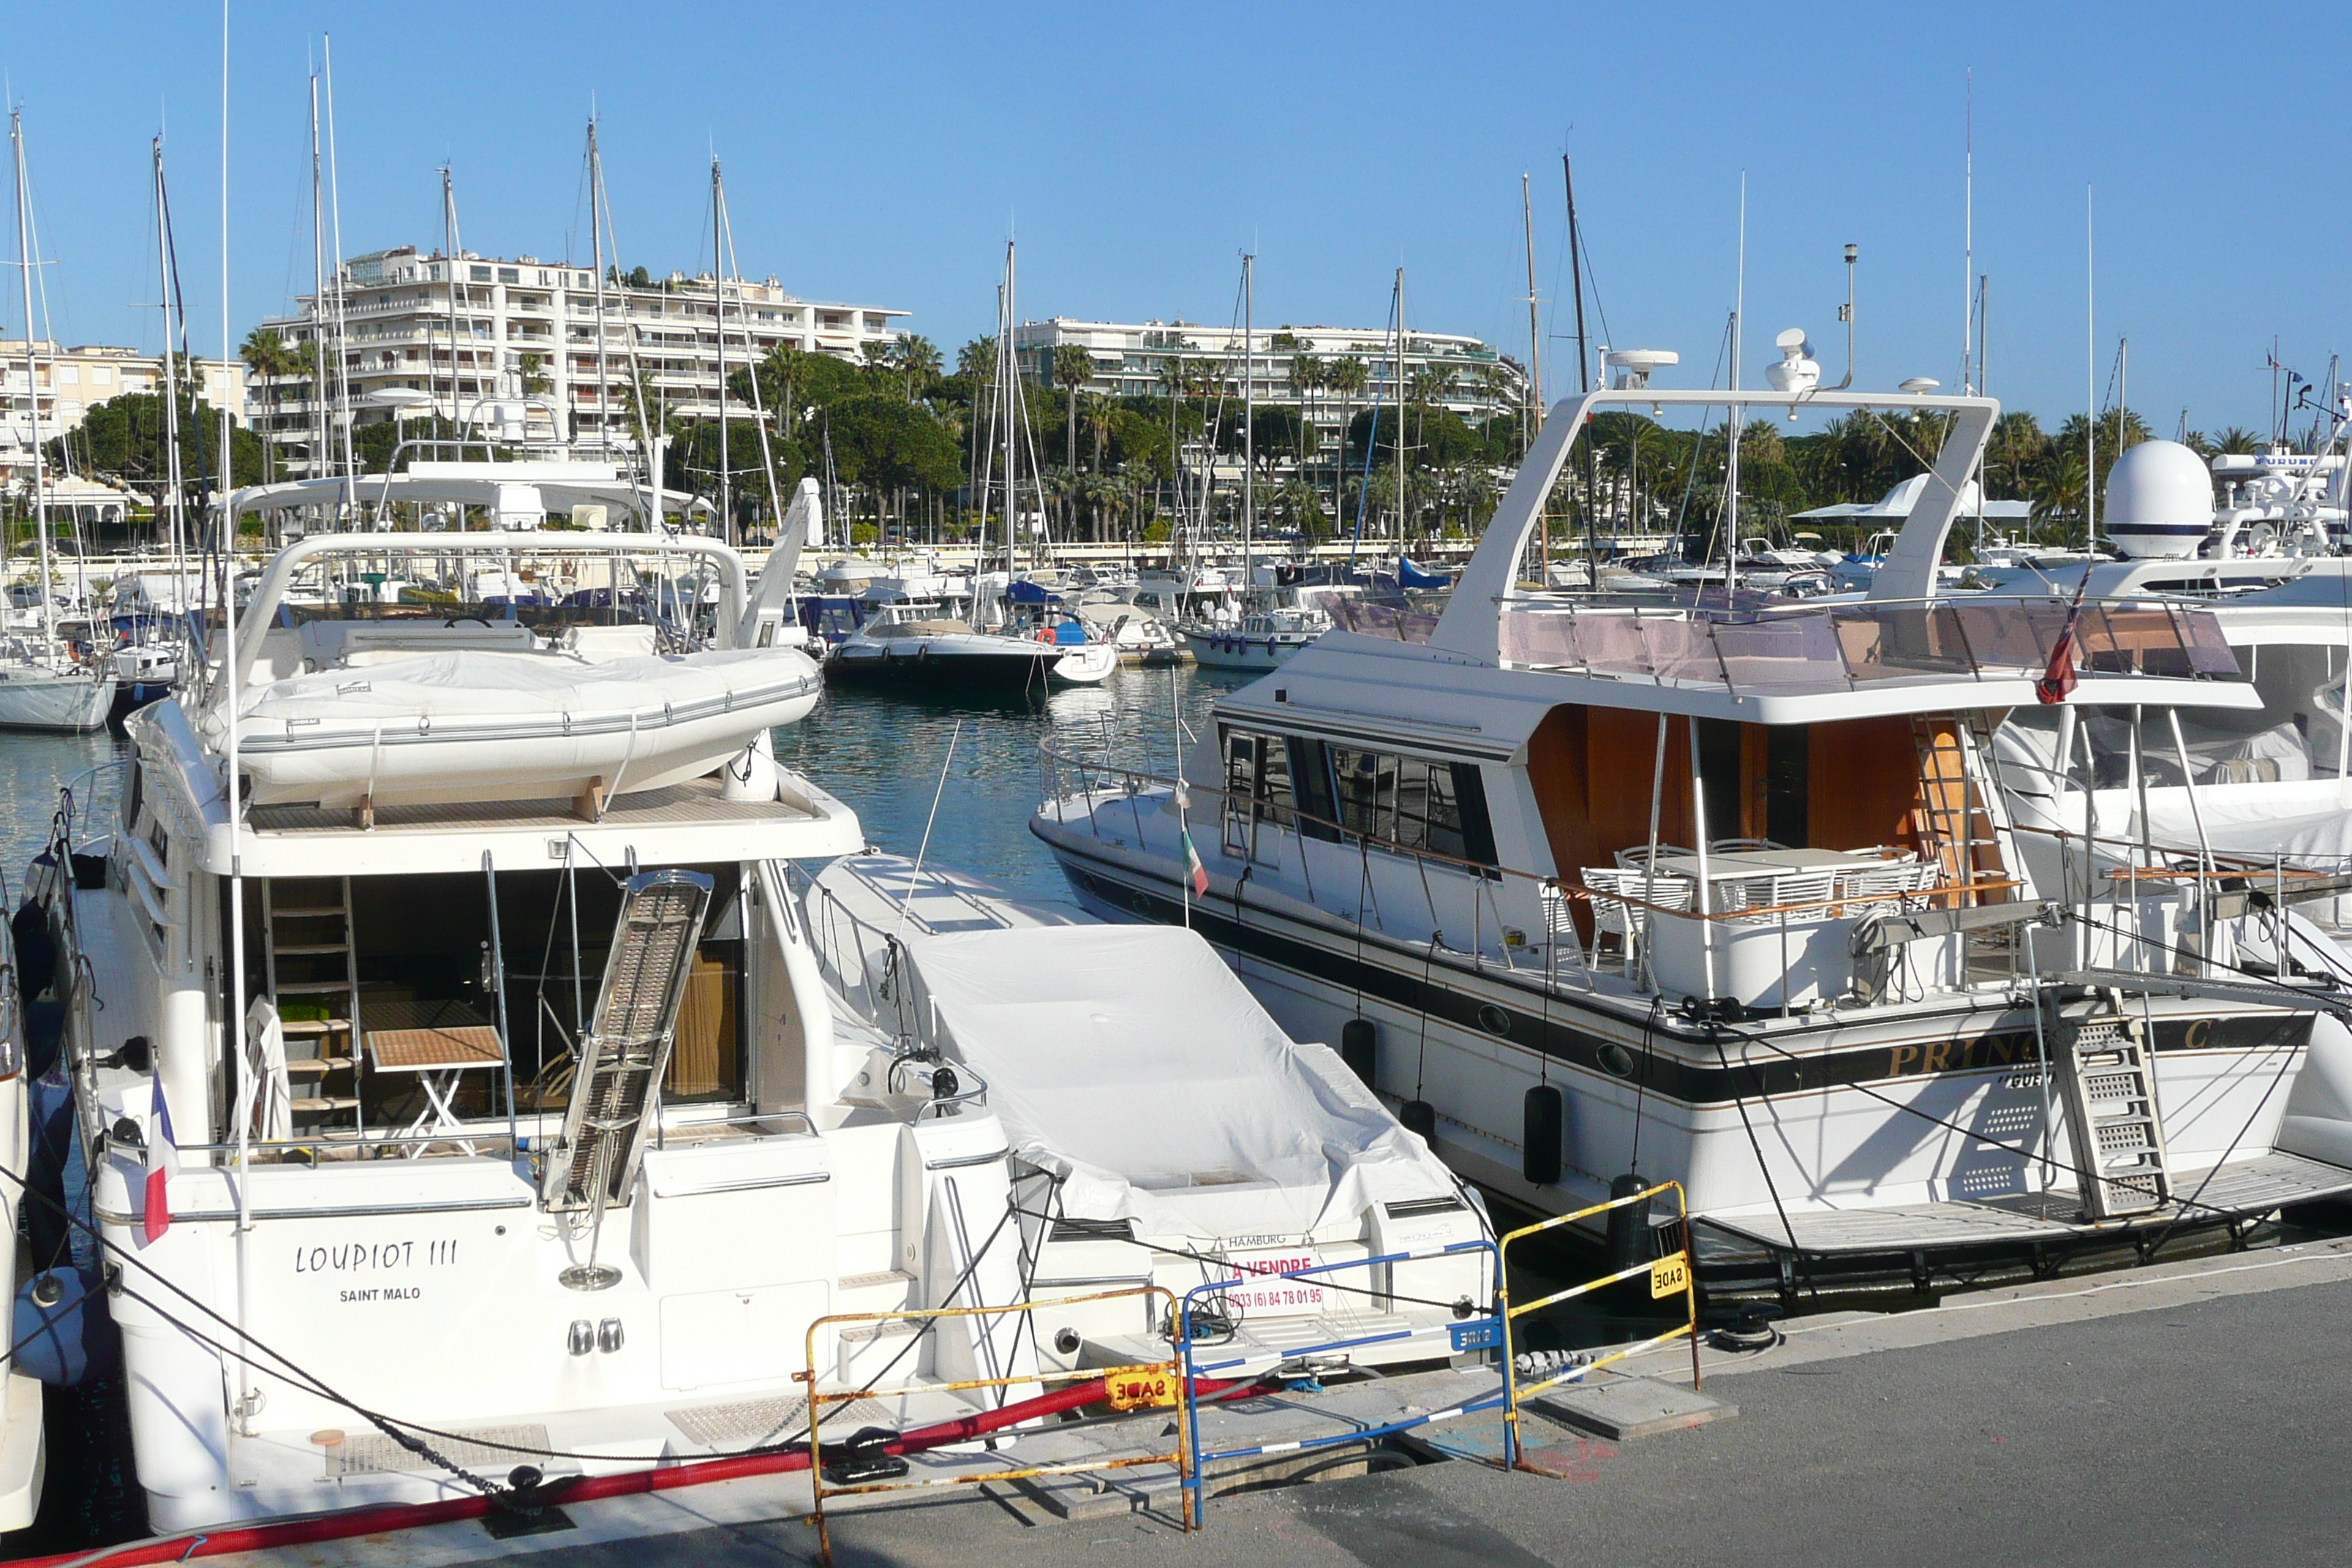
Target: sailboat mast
{"points": [[171, 364], [335, 272], [32, 384], [449, 243], [596, 253], [1583, 371], [318, 422], [1249, 415], [1731, 415], [1008, 381], [719, 299], [1396, 396]]}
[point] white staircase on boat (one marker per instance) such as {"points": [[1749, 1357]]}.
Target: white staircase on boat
{"points": [[2108, 1085], [312, 973], [626, 1049]]}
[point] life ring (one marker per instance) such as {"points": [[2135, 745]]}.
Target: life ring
{"points": [[1045, 634]]}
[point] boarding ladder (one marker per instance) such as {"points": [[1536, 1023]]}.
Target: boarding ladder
{"points": [[314, 982], [626, 1049], [2106, 1080], [1962, 823]]}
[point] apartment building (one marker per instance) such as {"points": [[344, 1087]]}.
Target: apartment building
{"points": [[1130, 360], [67, 383], [423, 334]]}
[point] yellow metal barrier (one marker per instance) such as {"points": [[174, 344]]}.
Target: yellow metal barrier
{"points": [[1126, 1387], [1669, 1275]]}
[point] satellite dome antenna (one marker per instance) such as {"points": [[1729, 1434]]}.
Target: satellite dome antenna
{"points": [[1631, 369], [1798, 373]]}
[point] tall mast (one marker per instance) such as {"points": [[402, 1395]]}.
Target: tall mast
{"points": [[335, 273], [1249, 413], [1969, 369], [1008, 381], [2091, 383], [450, 245], [32, 384], [718, 298], [596, 251], [319, 424], [170, 365], [1534, 404], [759, 406], [1731, 415], [1583, 370], [1396, 395]]}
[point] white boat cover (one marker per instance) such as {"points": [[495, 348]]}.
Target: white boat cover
{"points": [[1132, 1062], [471, 724]]}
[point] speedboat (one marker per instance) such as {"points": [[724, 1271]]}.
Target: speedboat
{"points": [[915, 644], [1272, 1157], [497, 1130], [1618, 894]]}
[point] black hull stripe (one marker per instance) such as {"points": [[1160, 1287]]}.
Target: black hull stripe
{"points": [[1667, 1076]]}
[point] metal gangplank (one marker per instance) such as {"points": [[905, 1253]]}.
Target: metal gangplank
{"points": [[2108, 1083], [626, 1048]]}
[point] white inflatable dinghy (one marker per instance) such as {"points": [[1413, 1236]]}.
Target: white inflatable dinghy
{"points": [[474, 725]]}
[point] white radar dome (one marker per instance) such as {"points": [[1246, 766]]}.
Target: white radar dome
{"points": [[2159, 502]]}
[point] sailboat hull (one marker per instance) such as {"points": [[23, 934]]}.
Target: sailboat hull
{"points": [[70, 701]]}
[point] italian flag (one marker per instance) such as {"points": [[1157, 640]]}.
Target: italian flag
{"points": [[1194, 872], [162, 1162]]}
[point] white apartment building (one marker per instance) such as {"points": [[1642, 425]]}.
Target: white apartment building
{"points": [[1133, 361], [530, 327], [69, 382]]}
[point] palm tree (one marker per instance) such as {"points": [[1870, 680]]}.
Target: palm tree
{"points": [[918, 361], [1073, 368], [1100, 408], [2237, 438], [786, 368]]}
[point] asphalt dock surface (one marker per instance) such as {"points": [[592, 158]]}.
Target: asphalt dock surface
{"points": [[2193, 1414]]}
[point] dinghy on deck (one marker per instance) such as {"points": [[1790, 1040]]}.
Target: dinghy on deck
{"points": [[1163, 1127]]}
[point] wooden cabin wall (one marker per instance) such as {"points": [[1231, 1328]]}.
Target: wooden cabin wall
{"points": [[1591, 768], [1862, 783]]}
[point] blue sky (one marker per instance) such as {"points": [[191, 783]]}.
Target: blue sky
{"points": [[881, 153]]}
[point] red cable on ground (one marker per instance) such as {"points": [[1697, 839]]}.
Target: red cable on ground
{"points": [[344, 1525]]}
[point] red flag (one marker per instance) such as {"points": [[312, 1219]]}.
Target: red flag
{"points": [[163, 1164], [2059, 679]]}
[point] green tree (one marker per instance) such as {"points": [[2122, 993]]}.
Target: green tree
{"points": [[1073, 368]]}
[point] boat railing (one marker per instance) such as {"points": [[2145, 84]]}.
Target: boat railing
{"points": [[330, 1148], [1810, 648]]}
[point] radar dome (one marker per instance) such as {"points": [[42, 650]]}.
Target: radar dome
{"points": [[2159, 502]]}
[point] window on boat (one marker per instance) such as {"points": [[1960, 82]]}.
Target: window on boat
{"points": [[1331, 791]]}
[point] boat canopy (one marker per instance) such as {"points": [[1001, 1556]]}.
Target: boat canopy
{"points": [[1130, 1062]]}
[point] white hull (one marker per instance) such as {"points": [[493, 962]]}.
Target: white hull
{"points": [[33, 697], [1868, 1139], [1237, 650]]}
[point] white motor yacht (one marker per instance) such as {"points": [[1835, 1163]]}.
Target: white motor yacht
{"points": [[1261, 1155], [1615, 893], [919, 646], [483, 1111]]}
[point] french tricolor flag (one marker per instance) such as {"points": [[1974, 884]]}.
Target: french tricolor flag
{"points": [[162, 1164]]}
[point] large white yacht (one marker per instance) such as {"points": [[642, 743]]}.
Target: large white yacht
{"points": [[458, 1085], [1605, 894]]}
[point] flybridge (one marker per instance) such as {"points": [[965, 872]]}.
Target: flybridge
{"points": [[1849, 648]]}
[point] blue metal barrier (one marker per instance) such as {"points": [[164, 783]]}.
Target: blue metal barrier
{"points": [[1480, 1331]]}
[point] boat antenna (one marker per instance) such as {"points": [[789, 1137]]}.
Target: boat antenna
{"points": [[1968, 236], [2090, 386], [924, 847]]}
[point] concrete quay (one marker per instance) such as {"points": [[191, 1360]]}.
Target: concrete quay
{"points": [[2187, 1413]]}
